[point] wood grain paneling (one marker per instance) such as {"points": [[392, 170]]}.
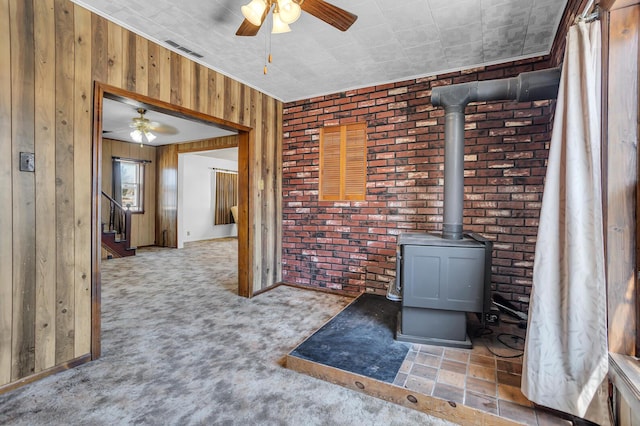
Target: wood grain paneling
{"points": [[6, 214], [141, 64], [277, 196], [64, 211], [622, 153], [164, 63], [153, 69], [208, 144], [270, 192], [129, 61], [218, 107], [256, 181], [186, 88], [82, 165], [176, 78], [52, 53], [45, 150], [114, 54], [23, 183], [167, 193], [99, 48], [245, 257], [200, 88]]}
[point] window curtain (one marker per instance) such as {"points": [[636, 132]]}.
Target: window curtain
{"points": [[565, 358], [117, 181], [226, 184], [117, 215]]}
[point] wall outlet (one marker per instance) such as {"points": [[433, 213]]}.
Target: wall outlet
{"points": [[188, 233]]}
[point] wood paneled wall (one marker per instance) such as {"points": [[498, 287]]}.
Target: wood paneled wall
{"points": [[51, 54], [622, 123], [143, 225]]}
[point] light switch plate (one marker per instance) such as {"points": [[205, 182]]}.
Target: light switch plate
{"points": [[27, 162]]}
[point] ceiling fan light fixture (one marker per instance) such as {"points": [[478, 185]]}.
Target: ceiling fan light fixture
{"points": [[253, 11], [136, 135], [150, 136], [289, 11], [279, 27]]}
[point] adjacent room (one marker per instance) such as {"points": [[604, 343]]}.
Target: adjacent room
{"points": [[319, 212]]}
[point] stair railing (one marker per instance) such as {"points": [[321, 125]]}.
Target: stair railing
{"points": [[119, 219]]}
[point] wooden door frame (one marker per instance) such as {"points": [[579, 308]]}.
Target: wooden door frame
{"points": [[245, 135], [620, 40]]}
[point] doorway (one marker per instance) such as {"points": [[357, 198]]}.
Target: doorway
{"points": [[207, 189], [167, 214]]}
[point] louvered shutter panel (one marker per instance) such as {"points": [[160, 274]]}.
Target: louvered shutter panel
{"points": [[330, 164], [343, 163], [355, 176]]}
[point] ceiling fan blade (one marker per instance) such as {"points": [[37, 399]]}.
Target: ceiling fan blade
{"points": [[332, 15], [117, 130], [163, 129], [248, 29]]}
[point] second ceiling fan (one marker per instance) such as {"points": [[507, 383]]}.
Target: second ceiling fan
{"points": [[286, 12]]}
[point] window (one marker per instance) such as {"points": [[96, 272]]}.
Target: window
{"points": [[128, 184], [343, 162]]}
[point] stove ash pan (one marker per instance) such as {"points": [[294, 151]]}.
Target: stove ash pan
{"points": [[440, 280]]}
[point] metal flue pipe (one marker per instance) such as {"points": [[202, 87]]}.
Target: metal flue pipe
{"points": [[528, 86]]}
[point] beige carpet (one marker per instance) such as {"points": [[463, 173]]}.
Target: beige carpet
{"points": [[180, 347]]}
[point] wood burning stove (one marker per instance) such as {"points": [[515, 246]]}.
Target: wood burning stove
{"points": [[441, 279]]}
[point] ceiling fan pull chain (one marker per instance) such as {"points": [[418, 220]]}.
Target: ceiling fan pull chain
{"points": [[265, 54], [270, 32]]}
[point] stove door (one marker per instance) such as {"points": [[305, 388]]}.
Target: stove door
{"points": [[443, 277]]}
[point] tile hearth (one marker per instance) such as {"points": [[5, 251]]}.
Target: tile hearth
{"points": [[468, 386]]}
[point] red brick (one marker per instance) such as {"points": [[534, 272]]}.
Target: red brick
{"points": [[350, 246]]}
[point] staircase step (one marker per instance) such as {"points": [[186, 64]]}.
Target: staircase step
{"points": [[115, 246]]}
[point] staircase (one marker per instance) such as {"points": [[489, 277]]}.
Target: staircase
{"points": [[116, 235], [116, 246]]}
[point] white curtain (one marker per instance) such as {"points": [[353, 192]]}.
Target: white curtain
{"points": [[565, 356]]}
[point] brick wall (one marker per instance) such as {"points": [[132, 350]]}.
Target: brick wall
{"points": [[350, 246]]}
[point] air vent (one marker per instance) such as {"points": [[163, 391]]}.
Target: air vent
{"points": [[183, 49]]}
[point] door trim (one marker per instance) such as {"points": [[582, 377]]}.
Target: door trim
{"points": [[245, 135]]}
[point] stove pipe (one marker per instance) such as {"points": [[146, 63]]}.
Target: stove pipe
{"points": [[528, 86]]}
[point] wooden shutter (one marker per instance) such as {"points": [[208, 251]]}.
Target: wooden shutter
{"points": [[330, 164], [355, 154], [343, 162]]}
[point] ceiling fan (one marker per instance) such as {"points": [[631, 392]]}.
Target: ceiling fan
{"points": [[143, 128], [286, 12]]}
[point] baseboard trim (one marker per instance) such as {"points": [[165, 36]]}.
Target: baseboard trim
{"points": [[266, 289], [45, 373]]}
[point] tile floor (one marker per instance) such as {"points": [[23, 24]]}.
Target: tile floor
{"points": [[476, 377]]}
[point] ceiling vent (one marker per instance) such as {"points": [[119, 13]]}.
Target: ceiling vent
{"points": [[183, 49]]}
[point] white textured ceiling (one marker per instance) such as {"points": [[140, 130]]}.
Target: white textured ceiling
{"points": [[117, 119], [392, 40]]}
